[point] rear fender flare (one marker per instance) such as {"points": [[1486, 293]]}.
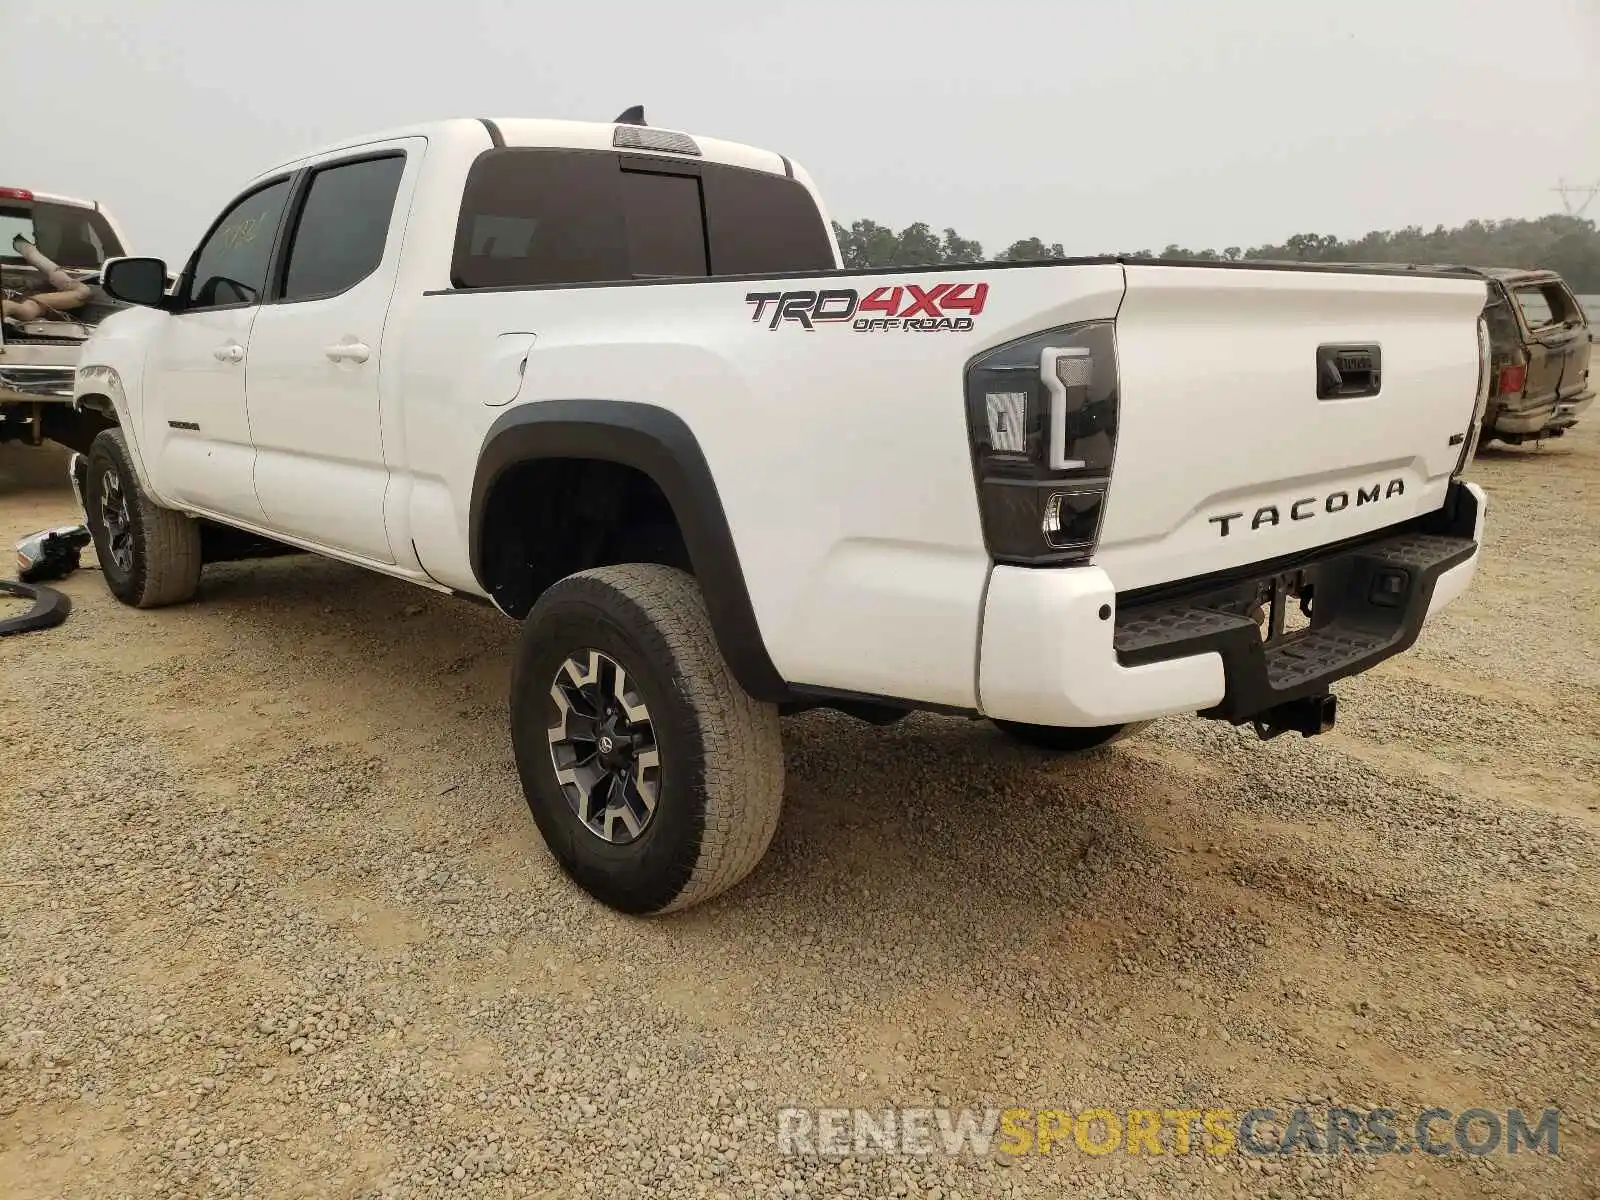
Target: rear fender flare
{"points": [[660, 444]]}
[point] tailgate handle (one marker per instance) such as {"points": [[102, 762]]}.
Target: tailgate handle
{"points": [[1348, 371]]}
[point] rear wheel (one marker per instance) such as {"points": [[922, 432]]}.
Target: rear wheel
{"points": [[654, 777], [1067, 740], [149, 555]]}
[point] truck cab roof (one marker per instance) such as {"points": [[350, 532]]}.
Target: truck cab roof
{"points": [[15, 195], [571, 135], [1506, 275], [758, 212]]}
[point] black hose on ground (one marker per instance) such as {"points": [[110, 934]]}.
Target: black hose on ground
{"points": [[50, 607]]}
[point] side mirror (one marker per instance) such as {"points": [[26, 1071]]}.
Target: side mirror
{"points": [[135, 280]]}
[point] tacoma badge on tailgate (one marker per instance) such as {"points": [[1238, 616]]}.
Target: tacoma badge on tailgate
{"points": [[1307, 507]]}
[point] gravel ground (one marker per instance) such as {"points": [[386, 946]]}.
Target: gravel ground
{"points": [[278, 923]]}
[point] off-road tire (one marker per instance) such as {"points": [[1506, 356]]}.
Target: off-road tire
{"points": [[162, 553], [1063, 740], [721, 753]]}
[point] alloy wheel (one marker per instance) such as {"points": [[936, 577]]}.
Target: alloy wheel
{"points": [[114, 515], [603, 747]]}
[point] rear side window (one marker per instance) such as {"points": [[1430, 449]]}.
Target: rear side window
{"points": [[231, 265], [343, 226], [1548, 304], [1564, 305], [532, 216], [1535, 306], [1503, 331]]}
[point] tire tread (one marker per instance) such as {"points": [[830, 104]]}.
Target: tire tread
{"points": [[170, 550], [742, 743]]}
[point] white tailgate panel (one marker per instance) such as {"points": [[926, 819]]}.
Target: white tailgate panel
{"points": [[1219, 413]]}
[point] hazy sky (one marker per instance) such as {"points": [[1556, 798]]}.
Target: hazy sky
{"points": [[1117, 124]]}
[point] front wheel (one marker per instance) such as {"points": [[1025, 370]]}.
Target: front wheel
{"points": [[1068, 740], [654, 777], [149, 555]]}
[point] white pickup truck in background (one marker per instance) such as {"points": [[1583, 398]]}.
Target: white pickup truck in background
{"points": [[612, 379], [51, 251]]}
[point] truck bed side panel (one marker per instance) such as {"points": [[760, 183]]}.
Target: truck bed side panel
{"points": [[840, 455]]}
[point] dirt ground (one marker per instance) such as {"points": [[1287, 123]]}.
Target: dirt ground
{"points": [[276, 921]]}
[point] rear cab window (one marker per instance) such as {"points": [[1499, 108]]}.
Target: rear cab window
{"points": [[665, 219], [67, 234], [539, 217], [548, 217]]}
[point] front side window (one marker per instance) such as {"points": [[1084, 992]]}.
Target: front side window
{"points": [[343, 226], [231, 266]]}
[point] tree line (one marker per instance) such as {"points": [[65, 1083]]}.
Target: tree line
{"points": [[1570, 245]]}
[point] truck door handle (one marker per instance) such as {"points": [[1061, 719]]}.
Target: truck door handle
{"points": [[232, 352], [349, 352]]}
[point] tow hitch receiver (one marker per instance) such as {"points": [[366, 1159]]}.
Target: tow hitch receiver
{"points": [[1307, 716]]}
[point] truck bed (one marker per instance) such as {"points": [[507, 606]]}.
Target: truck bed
{"points": [[875, 550]]}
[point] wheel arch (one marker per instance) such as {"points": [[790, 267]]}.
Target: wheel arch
{"points": [[660, 445], [99, 390]]}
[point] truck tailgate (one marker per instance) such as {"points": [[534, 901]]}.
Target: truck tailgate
{"points": [[1226, 454]]}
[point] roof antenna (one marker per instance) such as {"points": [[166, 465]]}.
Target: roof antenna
{"points": [[631, 116]]}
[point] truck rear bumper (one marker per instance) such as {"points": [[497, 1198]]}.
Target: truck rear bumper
{"points": [[1059, 647], [1521, 419], [29, 383], [1569, 409]]}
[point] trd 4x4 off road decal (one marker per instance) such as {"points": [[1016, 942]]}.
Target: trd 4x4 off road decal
{"points": [[906, 306]]}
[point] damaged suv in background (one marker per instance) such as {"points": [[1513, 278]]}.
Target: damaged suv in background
{"points": [[1539, 349], [51, 252]]}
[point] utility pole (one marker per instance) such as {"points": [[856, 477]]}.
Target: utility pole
{"points": [[1576, 197]]}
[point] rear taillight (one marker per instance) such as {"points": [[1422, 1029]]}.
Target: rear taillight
{"points": [[15, 194], [1513, 378], [1042, 414]]}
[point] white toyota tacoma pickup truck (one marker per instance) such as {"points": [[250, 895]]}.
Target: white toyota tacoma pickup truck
{"points": [[613, 380]]}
